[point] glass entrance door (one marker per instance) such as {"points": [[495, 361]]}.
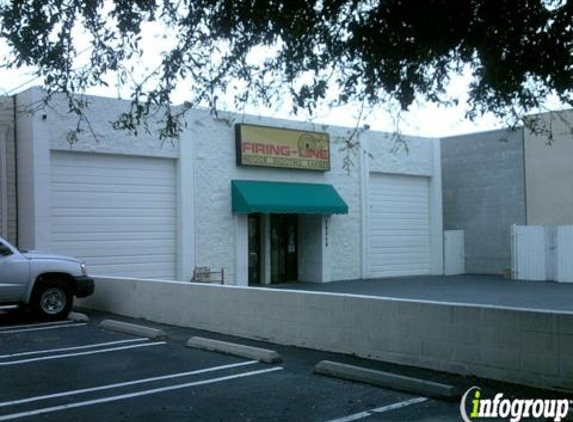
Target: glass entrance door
{"points": [[284, 248], [254, 249]]}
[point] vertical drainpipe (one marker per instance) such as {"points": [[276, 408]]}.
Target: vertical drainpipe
{"points": [[3, 188], [195, 193], [364, 177], [524, 176], [17, 205]]}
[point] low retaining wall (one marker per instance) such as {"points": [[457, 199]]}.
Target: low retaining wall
{"points": [[521, 346]]}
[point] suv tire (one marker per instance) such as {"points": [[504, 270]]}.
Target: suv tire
{"points": [[52, 300]]}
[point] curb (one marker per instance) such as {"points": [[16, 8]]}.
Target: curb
{"points": [[386, 379], [78, 317], [133, 329], [262, 355]]}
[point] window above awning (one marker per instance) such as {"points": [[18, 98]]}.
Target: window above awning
{"points": [[288, 198]]}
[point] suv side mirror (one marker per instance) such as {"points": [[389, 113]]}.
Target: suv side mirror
{"points": [[5, 250]]}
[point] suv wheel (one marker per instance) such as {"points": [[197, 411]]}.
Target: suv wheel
{"points": [[52, 300]]}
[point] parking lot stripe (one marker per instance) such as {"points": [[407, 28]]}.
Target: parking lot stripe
{"points": [[67, 349], [135, 395], [23, 330], [126, 383], [382, 409], [91, 352], [41, 324]]}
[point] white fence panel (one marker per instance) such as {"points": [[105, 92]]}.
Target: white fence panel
{"points": [[454, 254], [564, 254], [542, 253], [529, 246]]}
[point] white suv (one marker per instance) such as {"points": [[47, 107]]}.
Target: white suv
{"points": [[45, 283]]}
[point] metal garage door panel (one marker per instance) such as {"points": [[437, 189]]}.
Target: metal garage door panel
{"points": [[118, 213], [399, 225]]}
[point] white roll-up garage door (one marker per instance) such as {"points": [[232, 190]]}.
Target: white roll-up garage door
{"points": [[399, 225], [118, 213]]}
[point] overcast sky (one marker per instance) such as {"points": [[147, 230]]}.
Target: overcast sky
{"points": [[425, 119]]}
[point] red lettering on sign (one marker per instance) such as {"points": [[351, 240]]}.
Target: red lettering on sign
{"points": [[321, 154], [283, 151]]}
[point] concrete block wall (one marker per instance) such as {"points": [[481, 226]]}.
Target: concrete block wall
{"points": [[344, 254], [56, 122], [8, 208], [208, 234], [483, 183], [214, 167], [42, 134], [310, 234], [520, 346], [412, 156]]}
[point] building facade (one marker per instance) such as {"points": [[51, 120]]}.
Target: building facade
{"points": [[548, 169], [484, 194], [131, 206], [8, 189], [492, 180]]}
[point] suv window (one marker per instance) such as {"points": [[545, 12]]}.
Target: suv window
{"points": [[5, 250]]}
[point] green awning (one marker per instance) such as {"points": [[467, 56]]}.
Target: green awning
{"points": [[289, 198]]}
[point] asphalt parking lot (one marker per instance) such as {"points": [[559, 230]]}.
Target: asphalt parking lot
{"points": [[71, 371]]}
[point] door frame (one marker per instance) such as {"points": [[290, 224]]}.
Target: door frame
{"points": [[286, 221], [260, 261]]}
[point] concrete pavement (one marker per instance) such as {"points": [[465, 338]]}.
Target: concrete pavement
{"points": [[467, 288]]}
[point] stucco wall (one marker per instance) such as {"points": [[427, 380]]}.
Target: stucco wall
{"points": [[549, 175], [513, 345], [484, 194]]}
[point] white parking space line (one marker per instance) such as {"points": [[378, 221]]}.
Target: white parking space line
{"points": [[24, 330], [40, 324], [67, 349], [134, 395], [126, 383], [382, 409], [91, 352]]}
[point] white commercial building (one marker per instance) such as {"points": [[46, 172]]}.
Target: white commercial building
{"points": [[265, 200]]}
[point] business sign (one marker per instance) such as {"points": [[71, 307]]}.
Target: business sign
{"points": [[265, 146]]}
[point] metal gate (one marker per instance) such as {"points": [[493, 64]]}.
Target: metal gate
{"points": [[542, 253], [454, 255], [564, 254]]}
